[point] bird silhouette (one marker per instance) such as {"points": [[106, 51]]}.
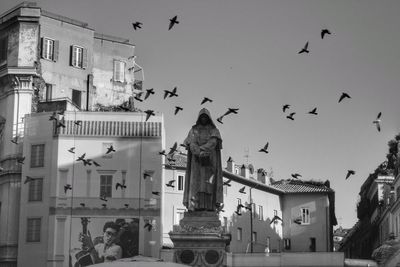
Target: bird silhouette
{"points": [[231, 110], [276, 218], [220, 207], [172, 22], [61, 123], [285, 107], [177, 109], [148, 174], [241, 190], [219, 119], [61, 112], [170, 183], [304, 49], [377, 121], [29, 179], [21, 160], [324, 32], [149, 226], [81, 158], [162, 153], [227, 182], [53, 117], [290, 116], [170, 93], [264, 149], [126, 205], [104, 205], [148, 93], [248, 207], [149, 113], [96, 164], [103, 197], [138, 97], [72, 150], [343, 96], [110, 149], [173, 149], [155, 193], [350, 172], [67, 187], [205, 100], [137, 25], [296, 175], [15, 140], [313, 112], [87, 162], [82, 204], [78, 122], [119, 185]]}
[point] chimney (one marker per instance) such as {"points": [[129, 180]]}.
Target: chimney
{"points": [[244, 171], [261, 174], [230, 165]]}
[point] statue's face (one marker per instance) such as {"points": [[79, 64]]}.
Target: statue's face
{"points": [[204, 119]]}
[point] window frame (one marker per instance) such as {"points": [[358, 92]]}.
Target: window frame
{"points": [[239, 234], [30, 235], [77, 56], [36, 163], [260, 212], [107, 186], [305, 216], [80, 97], [119, 70], [31, 189], [48, 48], [181, 182]]}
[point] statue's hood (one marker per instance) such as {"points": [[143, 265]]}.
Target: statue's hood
{"points": [[206, 112]]}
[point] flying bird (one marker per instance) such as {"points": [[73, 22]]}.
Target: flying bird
{"points": [[149, 226], [148, 174], [67, 187], [170, 93], [155, 193], [61, 112], [81, 157], [123, 186], [377, 122], [103, 197], [126, 205], [304, 49], [242, 190], [219, 119], [324, 32], [138, 97], [170, 183], [177, 109], [21, 160], [285, 107], [162, 153], [78, 122], [276, 218], [29, 179], [96, 164], [350, 172], [172, 22], [265, 148], [53, 117], [149, 113], [343, 96], [72, 150], [296, 175], [220, 208], [313, 112], [290, 116], [228, 182], [82, 204], [173, 149], [87, 162], [137, 25], [61, 123], [104, 205], [206, 99], [110, 149], [15, 140], [148, 93], [231, 110]]}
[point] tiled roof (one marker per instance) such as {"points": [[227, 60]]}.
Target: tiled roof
{"points": [[180, 161], [294, 186]]}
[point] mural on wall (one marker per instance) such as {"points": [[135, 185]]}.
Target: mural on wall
{"points": [[109, 241]]}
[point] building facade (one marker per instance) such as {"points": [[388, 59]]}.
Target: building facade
{"points": [[49, 60]]}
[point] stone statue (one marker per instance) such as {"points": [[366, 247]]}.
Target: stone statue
{"points": [[203, 181]]}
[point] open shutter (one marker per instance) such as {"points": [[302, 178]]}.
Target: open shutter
{"points": [[42, 44], [71, 56], [84, 58], [55, 50]]}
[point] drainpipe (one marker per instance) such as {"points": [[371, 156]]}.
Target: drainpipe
{"points": [[89, 83]]}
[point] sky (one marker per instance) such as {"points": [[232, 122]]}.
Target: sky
{"points": [[244, 54]]}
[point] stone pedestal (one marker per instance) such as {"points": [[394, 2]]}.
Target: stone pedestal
{"points": [[200, 240]]}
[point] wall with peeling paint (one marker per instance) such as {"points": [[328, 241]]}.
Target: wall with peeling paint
{"points": [[28, 44]]}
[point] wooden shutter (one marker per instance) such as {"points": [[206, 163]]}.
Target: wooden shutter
{"points": [[71, 56], [42, 45], [55, 50], [84, 58]]}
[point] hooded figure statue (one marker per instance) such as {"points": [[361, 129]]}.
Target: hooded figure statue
{"points": [[203, 180]]}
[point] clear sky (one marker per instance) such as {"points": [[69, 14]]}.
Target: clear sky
{"points": [[243, 54]]}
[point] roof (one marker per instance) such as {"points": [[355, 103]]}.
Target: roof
{"points": [[180, 161], [298, 186]]}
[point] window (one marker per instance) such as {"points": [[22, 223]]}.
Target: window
{"points": [[179, 215], [275, 213], [49, 91], [305, 216], [286, 243], [398, 192], [35, 190], [33, 230], [3, 49], [253, 209], [239, 201], [260, 213], [106, 185], [254, 237], [119, 71], [312, 244], [76, 97], [239, 234], [180, 182], [37, 156], [78, 57]]}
